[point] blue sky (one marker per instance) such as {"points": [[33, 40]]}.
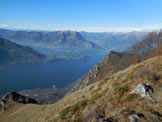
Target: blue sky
{"points": [[90, 15]]}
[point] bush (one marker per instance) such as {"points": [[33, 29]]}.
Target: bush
{"points": [[78, 119], [131, 76], [103, 82], [121, 89], [129, 98], [125, 80], [80, 104], [99, 95], [73, 108], [64, 112], [91, 101]]}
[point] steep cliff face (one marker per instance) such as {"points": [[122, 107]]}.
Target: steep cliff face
{"points": [[112, 63]]}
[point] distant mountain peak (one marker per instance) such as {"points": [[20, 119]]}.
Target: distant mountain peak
{"points": [[62, 39]]}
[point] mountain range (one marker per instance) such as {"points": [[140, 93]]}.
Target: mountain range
{"points": [[129, 93], [72, 40], [117, 41], [12, 53], [55, 39]]}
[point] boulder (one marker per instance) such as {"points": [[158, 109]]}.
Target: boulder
{"points": [[143, 90], [135, 117]]}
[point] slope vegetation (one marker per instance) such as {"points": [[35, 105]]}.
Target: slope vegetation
{"points": [[110, 99]]}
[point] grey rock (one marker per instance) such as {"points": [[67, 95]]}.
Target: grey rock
{"points": [[105, 119], [95, 75], [134, 118], [17, 98], [2, 102], [143, 90]]}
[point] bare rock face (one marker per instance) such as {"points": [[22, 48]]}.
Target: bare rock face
{"points": [[143, 90], [13, 96]]}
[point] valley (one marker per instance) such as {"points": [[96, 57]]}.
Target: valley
{"points": [[41, 75], [80, 61]]}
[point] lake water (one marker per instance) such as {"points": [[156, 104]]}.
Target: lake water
{"points": [[61, 73]]}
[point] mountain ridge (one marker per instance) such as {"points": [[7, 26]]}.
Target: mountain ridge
{"points": [[113, 62], [64, 39], [118, 40], [12, 53], [116, 61]]}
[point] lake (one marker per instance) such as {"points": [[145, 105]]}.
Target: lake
{"points": [[60, 73]]}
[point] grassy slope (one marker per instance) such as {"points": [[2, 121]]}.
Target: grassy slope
{"points": [[109, 97]]}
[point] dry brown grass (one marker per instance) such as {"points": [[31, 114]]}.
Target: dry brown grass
{"points": [[110, 98]]}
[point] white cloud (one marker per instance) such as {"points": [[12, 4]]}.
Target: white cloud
{"points": [[90, 29]]}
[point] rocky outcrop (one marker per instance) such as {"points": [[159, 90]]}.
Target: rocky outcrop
{"points": [[112, 63], [143, 90], [135, 117], [3, 102], [13, 96]]}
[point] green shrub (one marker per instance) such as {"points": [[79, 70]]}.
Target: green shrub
{"points": [[64, 112], [73, 108], [83, 103], [99, 95], [125, 80], [78, 119], [103, 82], [131, 76], [80, 104], [129, 98], [121, 89], [91, 101]]}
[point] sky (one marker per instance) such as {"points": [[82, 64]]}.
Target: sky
{"points": [[86, 15]]}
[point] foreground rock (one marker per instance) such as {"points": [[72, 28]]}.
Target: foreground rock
{"points": [[143, 90], [135, 117], [13, 96]]}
